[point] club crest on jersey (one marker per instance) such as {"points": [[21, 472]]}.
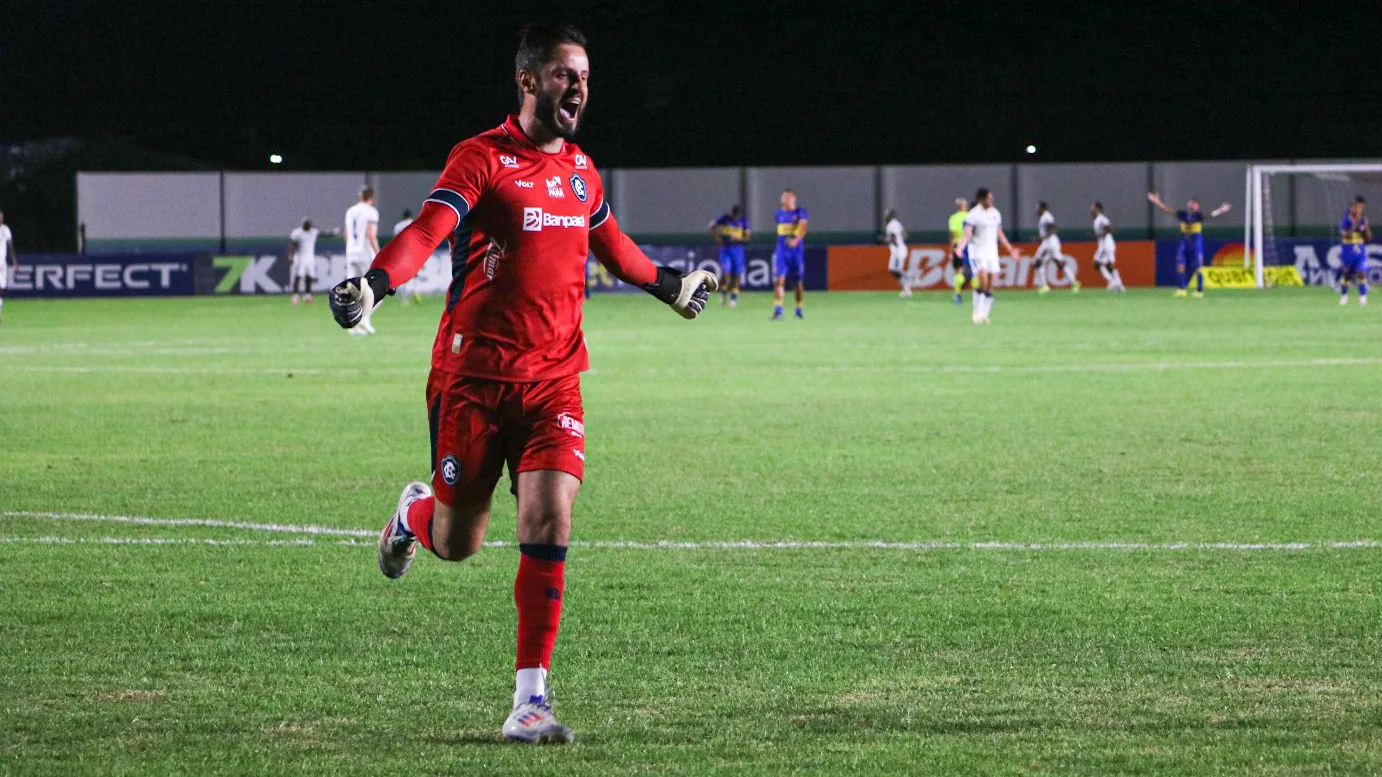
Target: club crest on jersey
{"points": [[578, 186], [554, 189], [450, 470], [580, 162], [508, 161]]}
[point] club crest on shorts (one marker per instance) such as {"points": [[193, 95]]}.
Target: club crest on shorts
{"points": [[578, 186], [450, 470]]}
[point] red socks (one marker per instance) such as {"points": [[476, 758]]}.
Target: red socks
{"points": [[420, 520], [537, 592]]}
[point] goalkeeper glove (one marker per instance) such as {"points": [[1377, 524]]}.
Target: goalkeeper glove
{"points": [[353, 297], [687, 293]]}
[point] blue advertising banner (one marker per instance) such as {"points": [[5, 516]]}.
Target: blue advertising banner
{"points": [[1317, 260], [758, 266], [122, 275]]}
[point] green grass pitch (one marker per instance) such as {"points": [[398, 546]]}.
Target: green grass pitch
{"points": [[1111, 540]]}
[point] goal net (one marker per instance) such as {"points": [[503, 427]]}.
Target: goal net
{"points": [[1294, 212]]}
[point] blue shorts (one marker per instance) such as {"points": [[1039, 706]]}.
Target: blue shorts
{"points": [[789, 262], [1353, 259], [732, 260], [1192, 251]]}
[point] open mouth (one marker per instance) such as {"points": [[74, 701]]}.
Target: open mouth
{"points": [[569, 109]]}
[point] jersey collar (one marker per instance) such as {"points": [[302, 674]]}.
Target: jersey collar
{"points": [[514, 130]]}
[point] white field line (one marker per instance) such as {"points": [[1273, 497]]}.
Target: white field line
{"points": [[921, 369], [751, 545]]}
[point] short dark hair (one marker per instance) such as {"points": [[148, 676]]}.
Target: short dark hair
{"points": [[1043, 205], [981, 194], [735, 210], [407, 214], [536, 42], [366, 193], [1359, 199], [1098, 205]]}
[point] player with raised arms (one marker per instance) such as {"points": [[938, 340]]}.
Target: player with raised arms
{"points": [[789, 256], [524, 207], [1050, 251], [731, 231], [302, 253], [362, 245], [959, 262], [1105, 254], [983, 233], [1191, 248], [1354, 233]]}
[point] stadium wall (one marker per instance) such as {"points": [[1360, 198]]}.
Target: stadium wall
{"points": [[828, 268], [231, 211]]}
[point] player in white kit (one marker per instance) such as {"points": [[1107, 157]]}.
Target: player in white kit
{"points": [[362, 243], [407, 292], [1050, 251], [1104, 256], [302, 250], [982, 236], [896, 238], [8, 258]]}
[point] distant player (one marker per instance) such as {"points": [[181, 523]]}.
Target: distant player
{"points": [[731, 231], [8, 258], [505, 388], [1105, 255], [982, 235], [896, 238], [362, 243], [959, 261], [1050, 251], [1355, 233], [408, 293], [1191, 248], [789, 257], [302, 252]]}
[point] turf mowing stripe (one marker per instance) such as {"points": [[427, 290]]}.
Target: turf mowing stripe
{"points": [[957, 369], [668, 544]]}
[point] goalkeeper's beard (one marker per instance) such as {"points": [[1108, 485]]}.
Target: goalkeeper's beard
{"points": [[548, 111]]}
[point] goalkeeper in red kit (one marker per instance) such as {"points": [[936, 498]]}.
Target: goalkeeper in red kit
{"points": [[523, 207]]}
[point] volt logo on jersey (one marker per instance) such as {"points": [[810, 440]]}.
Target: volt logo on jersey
{"points": [[523, 184], [578, 186], [534, 219]]}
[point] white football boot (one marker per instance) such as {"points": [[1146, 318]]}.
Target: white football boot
{"points": [[397, 545], [532, 722]]}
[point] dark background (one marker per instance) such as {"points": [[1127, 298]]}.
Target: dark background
{"points": [[393, 85]]}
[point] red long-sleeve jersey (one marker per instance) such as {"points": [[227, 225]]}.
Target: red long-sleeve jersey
{"points": [[521, 223]]}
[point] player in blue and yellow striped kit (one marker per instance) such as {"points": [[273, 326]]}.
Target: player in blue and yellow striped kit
{"points": [[1191, 248], [789, 257], [1354, 233], [731, 231]]}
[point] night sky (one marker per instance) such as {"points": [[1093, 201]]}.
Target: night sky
{"points": [[386, 85]]}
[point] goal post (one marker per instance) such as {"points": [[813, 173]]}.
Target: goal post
{"points": [[1294, 200]]}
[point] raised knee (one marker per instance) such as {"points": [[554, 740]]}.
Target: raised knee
{"points": [[458, 551]]}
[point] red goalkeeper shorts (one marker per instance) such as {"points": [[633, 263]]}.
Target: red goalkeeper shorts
{"points": [[480, 425]]}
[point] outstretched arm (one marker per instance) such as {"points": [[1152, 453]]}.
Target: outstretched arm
{"points": [[1156, 200], [1221, 210], [685, 293], [400, 260]]}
